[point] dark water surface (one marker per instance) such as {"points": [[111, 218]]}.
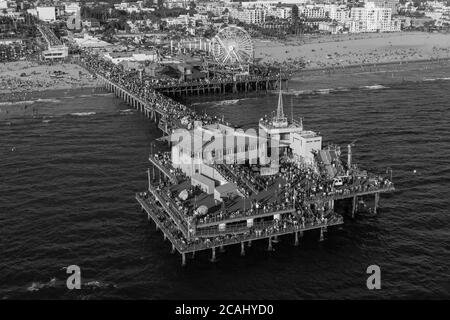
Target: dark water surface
{"points": [[67, 185]]}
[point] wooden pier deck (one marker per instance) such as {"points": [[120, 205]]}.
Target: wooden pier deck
{"points": [[164, 222], [246, 84]]}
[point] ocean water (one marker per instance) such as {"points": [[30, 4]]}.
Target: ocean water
{"points": [[68, 179]]}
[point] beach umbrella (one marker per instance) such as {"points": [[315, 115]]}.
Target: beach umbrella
{"points": [[202, 210], [183, 195]]}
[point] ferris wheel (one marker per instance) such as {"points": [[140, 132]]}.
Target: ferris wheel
{"points": [[232, 47]]}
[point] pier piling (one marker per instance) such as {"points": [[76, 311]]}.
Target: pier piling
{"points": [[296, 239], [354, 206], [213, 254], [269, 246], [377, 200], [183, 259], [242, 249]]}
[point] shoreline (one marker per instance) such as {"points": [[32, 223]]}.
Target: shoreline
{"points": [[348, 69], [348, 50], [22, 98], [42, 94], [21, 78]]}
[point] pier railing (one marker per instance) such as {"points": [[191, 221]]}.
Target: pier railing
{"points": [[231, 235], [153, 211], [171, 208], [249, 78], [164, 169], [250, 214], [235, 239], [259, 226], [347, 193]]}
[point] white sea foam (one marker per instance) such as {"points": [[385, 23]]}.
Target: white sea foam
{"points": [[36, 286], [127, 111], [9, 103], [227, 102], [13, 103], [98, 284], [324, 91], [436, 79], [48, 100], [374, 87], [82, 114]]}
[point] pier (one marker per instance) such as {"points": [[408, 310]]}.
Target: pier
{"points": [[210, 199], [240, 85], [154, 99]]}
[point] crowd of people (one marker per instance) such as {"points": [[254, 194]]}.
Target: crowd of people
{"points": [[172, 111], [285, 224], [217, 78], [230, 177]]}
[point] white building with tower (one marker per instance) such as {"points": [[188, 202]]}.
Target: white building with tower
{"points": [[289, 135]]}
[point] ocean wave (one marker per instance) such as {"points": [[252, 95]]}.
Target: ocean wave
{"points": [[219, 103], [13, 103], [228, 102], [295, 92], [22, 102], [324, 91], [82, 114], [127, 111], [436, 79], [374, 87], [315, 91], [97, 284], [103, 94], [95, 95], [48, 100], [36, 286]]}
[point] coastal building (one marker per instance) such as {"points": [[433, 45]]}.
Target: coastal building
{"points": [[331, 27], [253, 15], [372, 19], [281, 12], [312, 12], [138, 56], [340, 14], [47, 14], [73, 16], [91, 24], [56, 53], [89, 42], [170, 4], [390, 4]]}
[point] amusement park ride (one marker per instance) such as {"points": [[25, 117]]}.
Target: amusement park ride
{"points": [[232, 48], [229, 52]]}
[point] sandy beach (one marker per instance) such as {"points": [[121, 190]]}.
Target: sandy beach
{"points": [[17, 78], [345, 50]]}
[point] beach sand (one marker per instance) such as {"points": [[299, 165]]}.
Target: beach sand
{"points": [[345, 50], [17, 78]]}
